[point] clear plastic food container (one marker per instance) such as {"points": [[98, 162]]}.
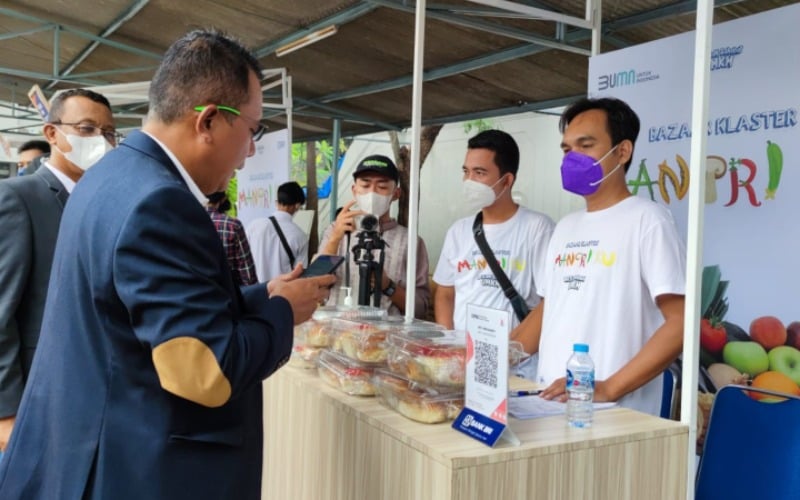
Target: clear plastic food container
{"points": [[304, 356], [438, 360], [421, 404], [360, 340], [347, 375], [317, 332]]}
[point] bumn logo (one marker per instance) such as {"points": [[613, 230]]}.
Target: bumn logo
{"points": [[619, 79]]}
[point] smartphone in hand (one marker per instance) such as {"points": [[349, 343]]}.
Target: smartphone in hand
{"points": [[322, 265]]}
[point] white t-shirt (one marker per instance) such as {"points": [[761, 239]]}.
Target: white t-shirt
{"points": [[604, 271], [269, 255], [519, 244]]}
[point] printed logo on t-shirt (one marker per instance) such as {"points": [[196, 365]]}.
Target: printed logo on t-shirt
{"points": [[580, 255], [479, 263], [574, 281]]}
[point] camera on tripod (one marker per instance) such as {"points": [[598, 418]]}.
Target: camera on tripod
{"points": [[370, 270]]}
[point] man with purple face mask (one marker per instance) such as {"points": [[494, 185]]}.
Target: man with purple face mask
{"points": [[375, 186], [615, 271]]}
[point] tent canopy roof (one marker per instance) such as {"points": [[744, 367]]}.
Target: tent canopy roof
{"points": [[479, 61]]}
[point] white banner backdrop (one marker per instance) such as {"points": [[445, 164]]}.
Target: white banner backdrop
{"points": [[752, 208], [263, 172]]}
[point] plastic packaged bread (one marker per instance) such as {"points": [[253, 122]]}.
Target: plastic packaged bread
{"points": [[317, 332], [360, 340], [422, 404], [347, 375], [433, 360], [304, 356], [436, 357]]}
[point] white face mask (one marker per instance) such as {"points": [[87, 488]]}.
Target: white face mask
{"points": [[374, 203], [86, 151], [478, 195]]}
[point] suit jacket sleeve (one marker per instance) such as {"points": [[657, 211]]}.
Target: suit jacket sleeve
{"points": [[210, 342], [15, 264]]}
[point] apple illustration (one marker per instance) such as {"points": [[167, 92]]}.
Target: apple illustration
{"points": [[768, 331], [786, 359], [793, 334], [747, 357]]}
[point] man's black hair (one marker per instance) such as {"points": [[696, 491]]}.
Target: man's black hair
{"points": [[504, 147], [39, 144], [202, 67], [621, 121], [290, 193], [57, 104]]}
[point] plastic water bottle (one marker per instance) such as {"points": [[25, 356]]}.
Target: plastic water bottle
{"points": [[580, 387]]}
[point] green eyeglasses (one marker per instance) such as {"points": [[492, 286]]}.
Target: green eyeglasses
{"points": [[258, 132]]}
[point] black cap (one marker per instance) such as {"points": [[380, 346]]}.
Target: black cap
{"points": [[378, 164]]}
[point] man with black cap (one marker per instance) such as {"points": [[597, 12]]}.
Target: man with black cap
{"points": [[375, 187]]}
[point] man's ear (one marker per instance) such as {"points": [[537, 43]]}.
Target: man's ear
{"points": [[396, 193], [204, 120], [49, 131], [513, 180], [625, 151]]}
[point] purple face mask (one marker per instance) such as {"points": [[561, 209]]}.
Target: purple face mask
{"points": [[581, 174]]}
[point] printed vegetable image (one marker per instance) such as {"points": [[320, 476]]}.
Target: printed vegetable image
{"points": [[747, 184], [684, 168], [665, 172], [716, 167], [775, 160], [712, 335]]}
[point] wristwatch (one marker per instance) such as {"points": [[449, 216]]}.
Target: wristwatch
{"points": [[390, 288]]}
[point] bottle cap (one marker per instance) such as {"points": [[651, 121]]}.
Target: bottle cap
{"points": [[580, 348]]}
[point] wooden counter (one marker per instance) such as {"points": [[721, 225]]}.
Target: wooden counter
{"points": [[321, 444]]}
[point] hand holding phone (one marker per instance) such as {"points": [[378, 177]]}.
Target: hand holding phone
{"points": [[323, 264]]}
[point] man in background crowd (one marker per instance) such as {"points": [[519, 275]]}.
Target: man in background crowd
{"points": [[277, 243], [30, 156], [375, 187], [81, 130], [234, 239]]}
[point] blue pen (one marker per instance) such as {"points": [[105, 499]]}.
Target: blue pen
{"points": [[515, 394]]}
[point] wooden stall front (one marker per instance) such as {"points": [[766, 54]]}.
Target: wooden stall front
{"points": [[322, 444]]}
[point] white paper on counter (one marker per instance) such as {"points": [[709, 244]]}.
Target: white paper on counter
{"points": [[525, 407]]}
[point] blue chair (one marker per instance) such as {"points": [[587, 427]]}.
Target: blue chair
{"points": [[752, 448], [668, 394]]}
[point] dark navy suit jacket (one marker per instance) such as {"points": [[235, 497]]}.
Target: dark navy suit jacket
{"points": [[30, 210], [138, 262]]}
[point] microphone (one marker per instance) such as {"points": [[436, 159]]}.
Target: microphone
{"points": [[369, 222]]}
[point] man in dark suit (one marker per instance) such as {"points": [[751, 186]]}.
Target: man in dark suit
{"points": [[30, 211], [30, 155], [147, 379]]}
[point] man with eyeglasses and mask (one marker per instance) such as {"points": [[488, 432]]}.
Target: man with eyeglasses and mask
{"points": [[615, 273], [147, 379], [80, 130], [516, 235]]}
